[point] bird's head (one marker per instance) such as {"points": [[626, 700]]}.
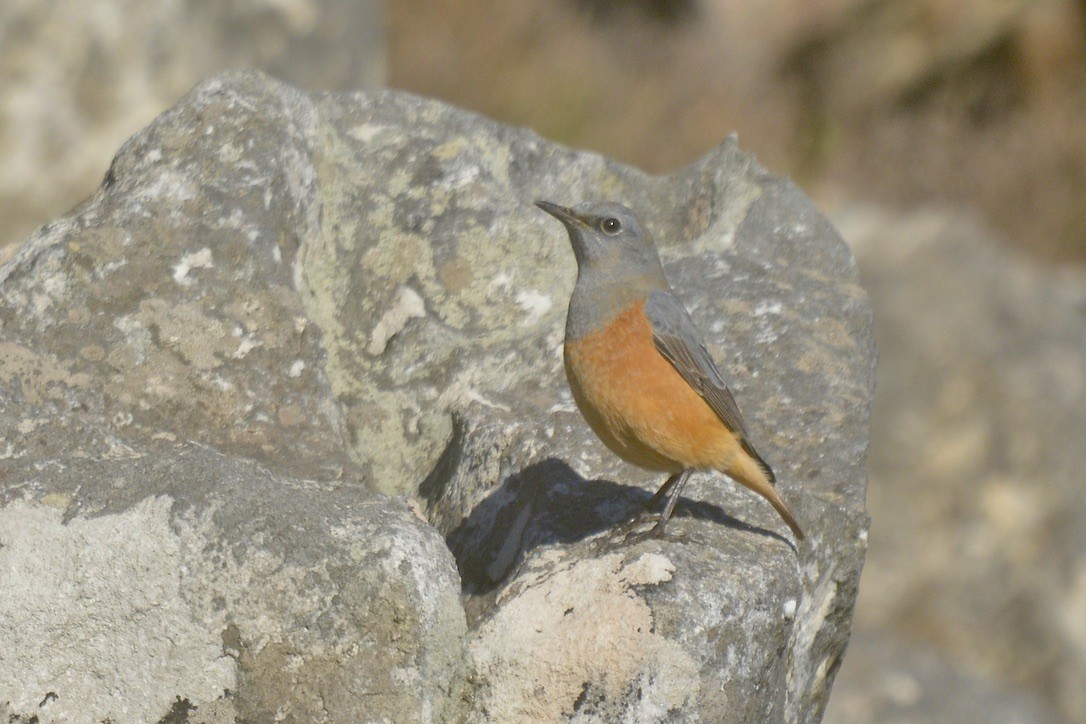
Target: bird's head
{"points": [[608, 237]]}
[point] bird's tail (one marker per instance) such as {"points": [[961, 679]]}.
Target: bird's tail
{"points": [[758, 459], [751, 471]]}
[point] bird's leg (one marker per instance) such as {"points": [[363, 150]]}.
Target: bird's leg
{"points": [[662, 492], [670, 492], [646, 513], [677, 481]]}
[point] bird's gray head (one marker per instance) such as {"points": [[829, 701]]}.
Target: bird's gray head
{"points": [[617, 264], [608, 237]]}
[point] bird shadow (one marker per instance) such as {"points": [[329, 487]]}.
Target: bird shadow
{"points": [[548, 503]]}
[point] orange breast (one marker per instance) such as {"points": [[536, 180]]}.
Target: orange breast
{"points": [[638, 405]]}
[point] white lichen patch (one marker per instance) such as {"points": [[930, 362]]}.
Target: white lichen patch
{"points": [[247, 342], [408, 305], [535, 305], [765, 307], [583, 627], [52, 289], [196, 260], [230, 153], [105, 592], [766, 337], [366, 132], [502, 281], [168, 185]]}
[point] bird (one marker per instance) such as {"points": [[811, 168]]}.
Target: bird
{"points": [[637, 367]]}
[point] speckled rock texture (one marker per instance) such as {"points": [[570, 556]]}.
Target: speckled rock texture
{"points": [[295, 341]]}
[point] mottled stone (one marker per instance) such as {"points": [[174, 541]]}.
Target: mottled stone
{"points": [[135, 575], [279, 307]]}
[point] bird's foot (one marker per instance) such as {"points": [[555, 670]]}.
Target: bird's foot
{"points": [[638, 536], [634, 531], [642, 518]]}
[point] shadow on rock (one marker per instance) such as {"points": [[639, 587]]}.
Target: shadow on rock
{"points": [[546, 503]]}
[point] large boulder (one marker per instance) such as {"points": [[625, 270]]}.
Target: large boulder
{"points": [[294, 341]]}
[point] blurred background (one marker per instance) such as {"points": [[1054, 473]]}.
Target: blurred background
{"points": [[945, 139]]}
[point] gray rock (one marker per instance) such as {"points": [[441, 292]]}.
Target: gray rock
{"points": [[136, 577], [279, 307], [978, 550], [77, 77]]}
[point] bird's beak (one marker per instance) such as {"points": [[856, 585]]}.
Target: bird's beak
{"points": [[563, 214]]}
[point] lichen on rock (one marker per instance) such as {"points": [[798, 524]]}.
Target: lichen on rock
{"points": [[282, 314]]}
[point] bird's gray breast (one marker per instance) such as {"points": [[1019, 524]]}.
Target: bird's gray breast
{"points": [[596, 302]]}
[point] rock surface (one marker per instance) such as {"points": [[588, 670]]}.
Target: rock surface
{"points": [[978, 547], [77, 77], [136, 576], [279, 309]]}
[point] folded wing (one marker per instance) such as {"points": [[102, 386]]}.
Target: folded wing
{"points": [[677, 340]]}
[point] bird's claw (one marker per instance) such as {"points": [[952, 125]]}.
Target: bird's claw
{"points": [[639, 536], [628, 533]]}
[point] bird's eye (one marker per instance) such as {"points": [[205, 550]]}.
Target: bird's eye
{"points": [[611, 226]]}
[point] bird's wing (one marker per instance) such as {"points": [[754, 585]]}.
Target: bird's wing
{"points": [[677, 339]]}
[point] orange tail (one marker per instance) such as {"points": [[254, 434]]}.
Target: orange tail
{"points": [[747, 471]]}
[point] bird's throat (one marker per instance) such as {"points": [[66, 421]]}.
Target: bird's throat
{"points": [[598, 302]]}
